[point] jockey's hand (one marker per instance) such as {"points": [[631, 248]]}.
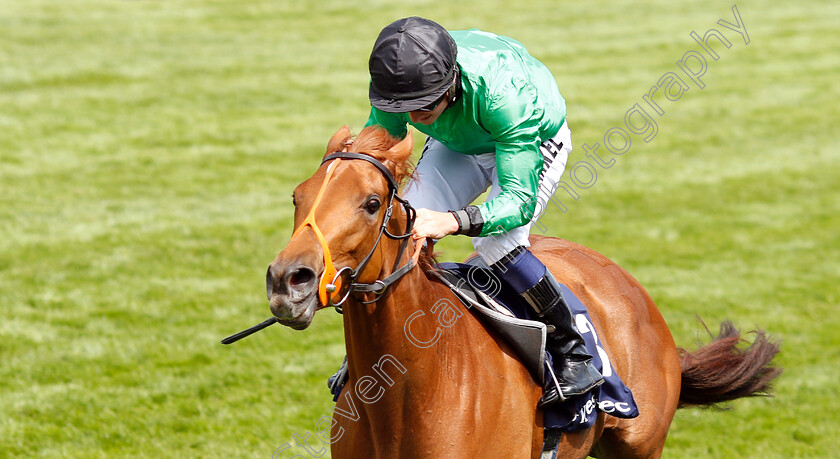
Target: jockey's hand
{"points": [[433, 224]]}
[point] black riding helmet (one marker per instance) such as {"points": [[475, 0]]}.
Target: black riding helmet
{"points": [[412, 65]]}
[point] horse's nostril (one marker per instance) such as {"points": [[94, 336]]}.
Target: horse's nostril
{"points": [[301, 276]]}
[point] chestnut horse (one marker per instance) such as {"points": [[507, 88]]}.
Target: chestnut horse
{"points": [[426, 379]]}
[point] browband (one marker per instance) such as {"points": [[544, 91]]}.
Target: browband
{"points": [[392, 184]]}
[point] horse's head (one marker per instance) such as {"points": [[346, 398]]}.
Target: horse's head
{"points": [[338, 215]]}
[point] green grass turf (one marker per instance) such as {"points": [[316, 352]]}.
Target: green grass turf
{"points": [[148, 150]]}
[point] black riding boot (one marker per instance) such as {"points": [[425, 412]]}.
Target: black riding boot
{"points": [[573, 369]]}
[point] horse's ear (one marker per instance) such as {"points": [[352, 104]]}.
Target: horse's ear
{"points": [[400, 152], [338, 140]]}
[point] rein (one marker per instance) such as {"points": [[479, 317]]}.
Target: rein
{"points": [[336, 285]]}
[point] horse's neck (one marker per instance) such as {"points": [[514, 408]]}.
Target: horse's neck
{"points": [[415, 371], [380, 328]]}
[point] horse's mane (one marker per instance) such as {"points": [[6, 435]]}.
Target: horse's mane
{"points": [[376, 141]]}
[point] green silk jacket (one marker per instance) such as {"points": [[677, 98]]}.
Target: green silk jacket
{"points": [[509, 104]]}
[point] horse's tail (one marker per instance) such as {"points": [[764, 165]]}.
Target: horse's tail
{"points": [[721, 370]]}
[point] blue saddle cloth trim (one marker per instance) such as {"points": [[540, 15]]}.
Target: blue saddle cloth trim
{"points": [[578, 413]]}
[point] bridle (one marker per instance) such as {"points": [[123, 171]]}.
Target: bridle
{"points": [[335, 285]]}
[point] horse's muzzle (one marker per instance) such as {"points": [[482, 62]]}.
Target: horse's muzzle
{"points": [[292, 292]]}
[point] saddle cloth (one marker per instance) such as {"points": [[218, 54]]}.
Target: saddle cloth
{"points": [[500, 308]]}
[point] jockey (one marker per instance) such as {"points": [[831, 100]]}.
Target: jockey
{"points": [[494, 118]]}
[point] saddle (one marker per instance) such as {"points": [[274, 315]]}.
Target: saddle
{"points": [[480, 291]]}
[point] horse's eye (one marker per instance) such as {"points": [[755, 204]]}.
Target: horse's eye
{"points": [[372, 205], [293, 200]]}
